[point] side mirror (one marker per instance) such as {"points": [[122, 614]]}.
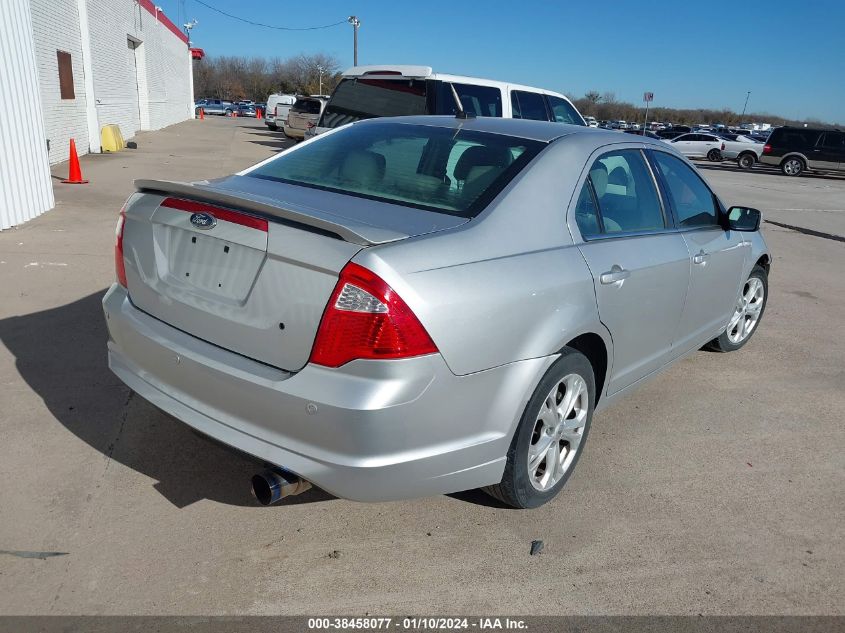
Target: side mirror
{"points": [[744, 219]]}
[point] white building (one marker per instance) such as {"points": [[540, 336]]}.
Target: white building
{"points": [[70, 67]]}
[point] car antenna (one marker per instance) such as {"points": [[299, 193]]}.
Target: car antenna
{"points": [[461, 113]]}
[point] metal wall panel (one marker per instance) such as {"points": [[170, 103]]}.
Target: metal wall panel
{"points": [[26, 189]]}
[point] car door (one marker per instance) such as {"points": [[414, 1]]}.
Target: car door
{"points": [[640, 266], [686, 144], [717, 256], [828, 152]]}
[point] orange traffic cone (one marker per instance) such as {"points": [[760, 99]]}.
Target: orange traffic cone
{"points": [[202, 114], [235, 113], [75, 172], [257, 113]]}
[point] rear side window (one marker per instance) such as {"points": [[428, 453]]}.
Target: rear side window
{"points": [[528, 105], [478, 100], [563, 111], [447, 170], [619, 196], [794, 138], [692, 200]]}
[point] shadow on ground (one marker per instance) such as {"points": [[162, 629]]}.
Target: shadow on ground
{"points": [[61, 354]]}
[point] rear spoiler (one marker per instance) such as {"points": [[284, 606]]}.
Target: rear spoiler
{"points": [[275, 210]]}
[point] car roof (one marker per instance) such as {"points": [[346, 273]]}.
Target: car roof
{"points": [[399, 71], [544, 131]]}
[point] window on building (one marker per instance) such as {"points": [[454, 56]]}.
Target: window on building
{"points": [[65, 75]]}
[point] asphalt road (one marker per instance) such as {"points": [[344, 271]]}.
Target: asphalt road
{"points": [[715, 489]]}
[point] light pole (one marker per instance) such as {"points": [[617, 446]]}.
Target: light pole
{"points": [[355, 22], [320, 70], [741, 118]]}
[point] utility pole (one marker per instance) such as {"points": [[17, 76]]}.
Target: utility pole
{"points": [[741, 119], [320, 70], [355, 22]]}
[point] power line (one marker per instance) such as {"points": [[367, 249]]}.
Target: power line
{"points": [[269, 26]]}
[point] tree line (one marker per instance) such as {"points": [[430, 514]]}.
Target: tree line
{"points": [[254, 78], [605, 107]]}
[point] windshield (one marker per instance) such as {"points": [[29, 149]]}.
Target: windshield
{"points": [[356, 99], [446, 170]]}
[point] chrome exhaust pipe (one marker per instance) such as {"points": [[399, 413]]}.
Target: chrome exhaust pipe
{"points": [[274, 485]]}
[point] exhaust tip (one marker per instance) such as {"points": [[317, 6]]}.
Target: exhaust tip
{"points": [[271, 486]]}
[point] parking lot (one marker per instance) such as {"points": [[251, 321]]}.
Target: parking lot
{"points": [[715, 489]]}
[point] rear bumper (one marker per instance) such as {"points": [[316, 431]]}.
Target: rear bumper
{"points": [[770, 160], [369, 431]]}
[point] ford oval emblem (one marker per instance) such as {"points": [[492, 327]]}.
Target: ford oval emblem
{"points": [[203, 221]]}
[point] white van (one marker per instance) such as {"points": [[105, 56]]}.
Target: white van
{"points": [[366, 92], [278, 106]]}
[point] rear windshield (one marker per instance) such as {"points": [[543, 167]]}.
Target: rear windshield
{"points": [[308, 106], [356, 99], [437, 169]]}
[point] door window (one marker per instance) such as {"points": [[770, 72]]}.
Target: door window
{"points": [[833, 140], [528, 105], [625, 198], [692, 200]]}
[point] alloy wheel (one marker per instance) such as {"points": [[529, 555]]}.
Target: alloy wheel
{"points": [[747, 311], [558, 432], [792, 167]]}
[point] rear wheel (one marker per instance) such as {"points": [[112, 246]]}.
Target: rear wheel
{"points": [[714, 155], [746, 161], [792, 166], [551, 434], [749, 309]]}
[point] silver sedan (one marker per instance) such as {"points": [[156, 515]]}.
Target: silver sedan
{"points": [[421, 305]]}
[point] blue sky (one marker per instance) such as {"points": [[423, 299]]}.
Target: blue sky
{"points": [[791, 56]]}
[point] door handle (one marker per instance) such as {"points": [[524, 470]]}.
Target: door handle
{"points": [[701, 258], [616, 273]]}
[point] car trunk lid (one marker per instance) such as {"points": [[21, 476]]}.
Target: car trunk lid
{"points": [[245, 271]]}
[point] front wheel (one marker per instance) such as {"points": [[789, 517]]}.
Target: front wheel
{"points": [[551, 434], [792, 166], [746, 161], [747, 313], [714, 155]]}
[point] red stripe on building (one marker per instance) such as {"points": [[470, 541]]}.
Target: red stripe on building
{"points": [[159, 15]]}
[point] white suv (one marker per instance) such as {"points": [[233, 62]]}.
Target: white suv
{"points": [[367, 92]]}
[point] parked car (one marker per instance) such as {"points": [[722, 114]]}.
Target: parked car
{"points": [[698, 145], [303, 116], [796, 150], [245, 109], [647, 133], [395, 309], [367, 92], [215, 106], [278, 106], [744, 150]]}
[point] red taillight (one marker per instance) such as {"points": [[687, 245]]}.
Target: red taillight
{"points": [[767, 149], [310, 125], [119, 264], [365, 318]]}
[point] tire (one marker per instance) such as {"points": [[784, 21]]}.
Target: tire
{"points": [[272, 126], [792, 166], [746, 161], [714, 155], [522, 486], [729, 341], [227, 113]]}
